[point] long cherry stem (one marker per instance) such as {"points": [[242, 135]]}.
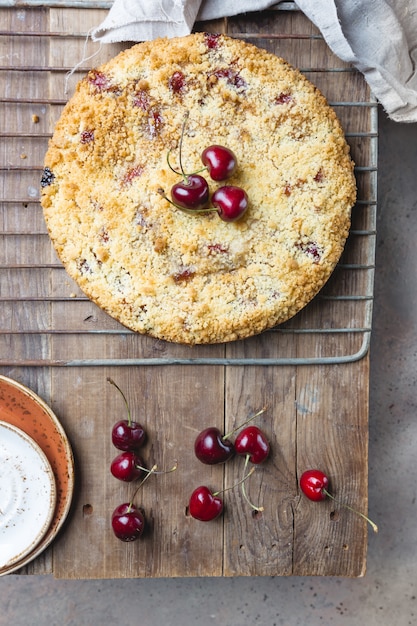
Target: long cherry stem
{"points": [[203, 169], [180, 146], [129, 417], [346, 506], [170, 166], [241, 481], [256, 508], [244, 423], [154, 469], [149, 472]]}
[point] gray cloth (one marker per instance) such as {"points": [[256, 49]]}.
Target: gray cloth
{"points": [[379, 37]]}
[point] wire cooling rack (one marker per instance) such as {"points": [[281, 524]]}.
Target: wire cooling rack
{"points": [[44, 318]]}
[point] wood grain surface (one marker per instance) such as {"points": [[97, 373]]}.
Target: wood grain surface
{"points": [[316, 414]]}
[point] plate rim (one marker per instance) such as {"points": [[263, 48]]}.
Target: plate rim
{"points": [[66, 497], [24, 439]]}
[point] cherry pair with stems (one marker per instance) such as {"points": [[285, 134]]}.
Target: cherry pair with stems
{"points": [[211, 448]]}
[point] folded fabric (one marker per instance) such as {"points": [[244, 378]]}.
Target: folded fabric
{"points": [[379, 37], [140, 20], [213, 9]]}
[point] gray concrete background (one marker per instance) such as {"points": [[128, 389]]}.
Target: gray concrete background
{"points": [[387, 594]]}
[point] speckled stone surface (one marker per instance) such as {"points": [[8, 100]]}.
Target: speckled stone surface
{"points": [[387, 595]]}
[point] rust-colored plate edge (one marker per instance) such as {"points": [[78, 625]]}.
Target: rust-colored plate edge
{"points": [[23, 408]]}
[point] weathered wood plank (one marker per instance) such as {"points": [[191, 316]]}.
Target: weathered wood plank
{"points": [[332, 435], [173, 404], [261, 543]]}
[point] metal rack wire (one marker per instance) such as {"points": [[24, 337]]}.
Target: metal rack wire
{"points": [[37, 298]]}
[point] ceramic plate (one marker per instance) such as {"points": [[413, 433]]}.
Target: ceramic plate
{"points": [[21, 407], [27, 494]]}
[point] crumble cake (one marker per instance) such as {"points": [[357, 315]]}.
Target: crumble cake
{"points": [[197, 279]]}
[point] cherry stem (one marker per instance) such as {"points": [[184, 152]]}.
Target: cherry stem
{"points": [[180, 146], [149, 472], [170, 166], [244, 423], [153, 470], [129, 417], [181, 172], [181, 208], [256, 508], [155, 467], [346, 506], [203, 169], [242, 480]]}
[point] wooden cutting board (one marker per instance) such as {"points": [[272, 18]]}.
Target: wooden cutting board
{"points": [[313, 377]]}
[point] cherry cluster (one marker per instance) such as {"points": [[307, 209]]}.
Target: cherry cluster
{"points": [[128, 520], [192, 194], [211, 447]]}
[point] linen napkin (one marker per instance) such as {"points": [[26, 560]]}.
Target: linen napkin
{"points": [[379, 37]]}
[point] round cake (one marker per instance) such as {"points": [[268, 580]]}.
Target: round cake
{"points": [[123, 140]]}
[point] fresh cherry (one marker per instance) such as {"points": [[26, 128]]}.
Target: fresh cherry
{"points": [[127, 466], [128, 522], [212, 447], [252, 442], [314, 483], [220, 162], [192, 193], [205, 505], [231, 202], [127, 434]]}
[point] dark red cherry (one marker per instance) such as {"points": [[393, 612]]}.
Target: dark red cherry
{"points": [[191, 193], [220, 162], [127, 466], [313, 484], [231, 202], [212, 447], [128, 523], [204, 505], [128, 436], [252, 442]]}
